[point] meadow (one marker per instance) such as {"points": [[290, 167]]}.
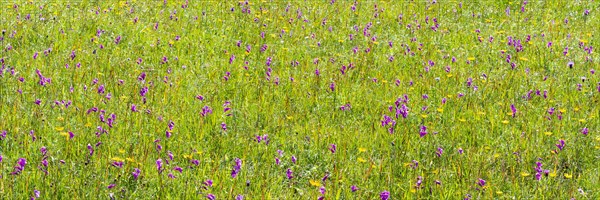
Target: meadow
{"points": [[299, 99]]}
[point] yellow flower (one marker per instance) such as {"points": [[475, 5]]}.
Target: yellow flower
{"points": [[499, 192], [65, 134], [523, 59], [524, 174], [362, 160], [548, 133], [361, 149], [130, 160], [121, 151], [505, 121], [552, 174], [117, 159], [59, 128], [314, 183], [471, 58], [568, 176]]}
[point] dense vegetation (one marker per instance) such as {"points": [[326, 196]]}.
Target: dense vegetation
{"points": [[299, 100]]}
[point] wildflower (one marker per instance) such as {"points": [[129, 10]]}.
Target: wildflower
{"points": [[136, 173], [90, 149], [325, 177], [289, 174], [36, 194], [118, 39], [205, 111], [353, 188], [419, 182], [20, 166], [513, 109], [385, 195], [423, 131], [179, 169], [439, 152], [159, 166], [561, 144], [585, 131], [210, 197], [208, 183], [481, 182], [236, 168], [332, 148], [570, 64], [195, 162], [224, 126], [414, 164], [332, 86], [117, 164]]}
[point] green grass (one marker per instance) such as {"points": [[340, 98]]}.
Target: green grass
{"points": [[302, 117]]}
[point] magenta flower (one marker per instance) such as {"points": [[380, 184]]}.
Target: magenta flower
{"points": [[332, 86], [205, 111], [585, 131], [332, 148], [353, 188], [90, 149], [208, 183], [20, 166], [439, 152], [236, 167], [513, 109], [423, 131], [118, 39], [159, 166], [289, 173], [560, 145], [385, 195], [481, 182], [117, 164], [136, 173], [179, 169], [419, 182], [210, 197], [195, 162]]}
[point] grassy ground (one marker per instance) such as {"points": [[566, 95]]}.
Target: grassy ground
{"points": [[312, 97]]}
